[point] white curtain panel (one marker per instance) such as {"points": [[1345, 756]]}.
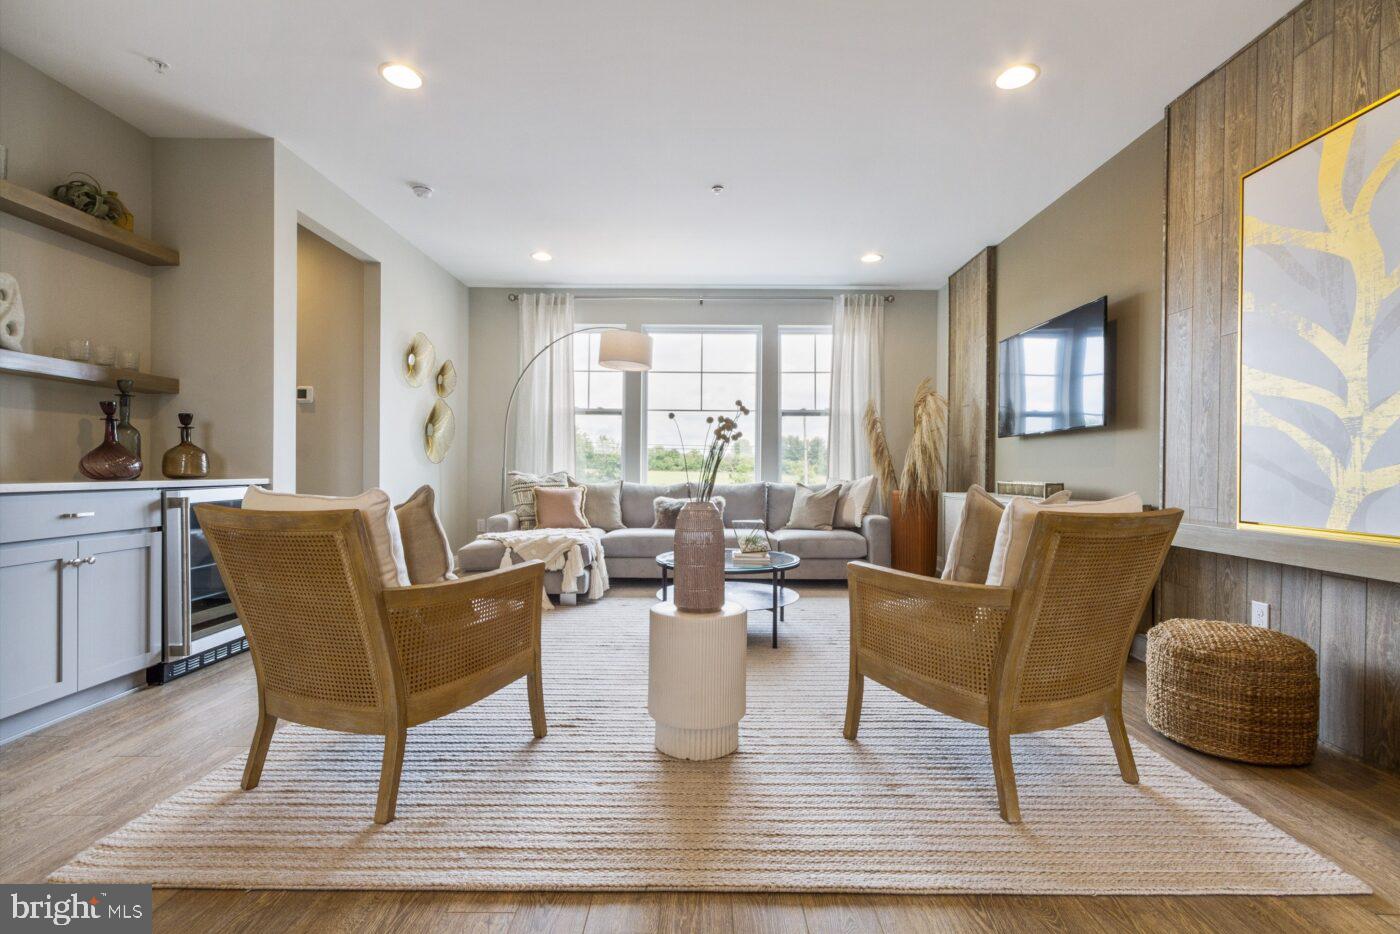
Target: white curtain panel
{"points": [[857, 341], [544, 409]]}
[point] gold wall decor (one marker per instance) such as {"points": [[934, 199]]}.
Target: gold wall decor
{"points": [[418, 359], [1319, 387], [439, 432], [446, 379]]}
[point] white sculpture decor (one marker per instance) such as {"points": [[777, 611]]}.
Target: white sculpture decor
{"points": [[11, 313]]}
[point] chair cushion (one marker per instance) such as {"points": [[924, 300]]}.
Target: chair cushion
{"points": [[637, 499], [814, 543], [426, 551], [383, 525], [603, 505], [814, 508], [743, 501], [638, 543], [1018, 521], [560, 507]]}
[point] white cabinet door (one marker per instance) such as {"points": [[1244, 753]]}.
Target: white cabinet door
{"points": [[38, 623], [118, 605]]}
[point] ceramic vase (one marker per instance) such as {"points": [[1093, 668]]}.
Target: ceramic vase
{"points": [[914, 534], [186, 460], [699, 558], [109, 460]]}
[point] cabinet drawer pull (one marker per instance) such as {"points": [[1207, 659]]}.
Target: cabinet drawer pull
{"points": [[76, 515], [90, 559], [78, 562]]}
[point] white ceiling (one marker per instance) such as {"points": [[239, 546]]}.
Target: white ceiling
{"points": [[594, 128]]}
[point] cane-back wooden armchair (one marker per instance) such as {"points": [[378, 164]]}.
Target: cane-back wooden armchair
{"points": [[334, 648], [1047, 653]]}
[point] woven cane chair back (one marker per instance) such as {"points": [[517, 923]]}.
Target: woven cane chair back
{"points": [[1087, 579], [303, 592]]}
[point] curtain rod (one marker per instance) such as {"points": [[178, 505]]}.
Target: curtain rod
{"points": [[889, 298]]}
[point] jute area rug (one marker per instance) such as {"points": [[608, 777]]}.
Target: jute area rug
{"points": [[909, 807]]}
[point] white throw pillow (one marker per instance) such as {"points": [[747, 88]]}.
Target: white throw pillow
{"points": [[1017, 522], [374, 505], [975, 535], [853, 503]]}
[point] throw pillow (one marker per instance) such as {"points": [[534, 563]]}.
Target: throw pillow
{"points": [[974, 540], [854, 502], [559, 507], [380, 520], [522, 491], [602, 507], [1017, 523], [668, 509], [814, 509], [426, 551]]}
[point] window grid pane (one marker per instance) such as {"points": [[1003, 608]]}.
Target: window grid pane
{"points": [[698, 374], [598, 425]]}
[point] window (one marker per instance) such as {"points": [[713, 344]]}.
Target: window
{"points": [[806, 355], [597, 414], [1040, 385], [697, 373]]}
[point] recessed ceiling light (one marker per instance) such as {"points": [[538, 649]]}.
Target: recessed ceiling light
{"points": [[541, 256], [871, 258], [401, 76], [1017, 76]]}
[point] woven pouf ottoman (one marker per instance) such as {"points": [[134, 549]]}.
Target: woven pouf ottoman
{"points": [[1233, 691]]}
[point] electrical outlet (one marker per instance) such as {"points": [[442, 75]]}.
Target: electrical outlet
{"points": [[481, 525], [1259, 614]]}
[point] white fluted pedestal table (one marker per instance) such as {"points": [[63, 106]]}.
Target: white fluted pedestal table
{"points": [[695, 689]]}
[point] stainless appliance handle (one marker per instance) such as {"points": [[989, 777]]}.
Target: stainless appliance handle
{"points": [[182, 503]]}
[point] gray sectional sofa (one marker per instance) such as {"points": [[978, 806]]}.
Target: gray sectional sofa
{"points": [[631, 551]]}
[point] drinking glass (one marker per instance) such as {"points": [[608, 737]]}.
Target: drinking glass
{"points": [[129, 359], [104, 355], [79, 348]]}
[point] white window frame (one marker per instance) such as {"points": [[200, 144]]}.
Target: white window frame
{"points": [[755, 407], [594, 330], [802, 413]]}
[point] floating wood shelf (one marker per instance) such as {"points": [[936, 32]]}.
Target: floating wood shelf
{"points": [[55, 215], [88, 374]]}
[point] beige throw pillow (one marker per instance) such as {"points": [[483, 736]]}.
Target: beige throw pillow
{"points": [[374, 505], [426, 550], [1018, 521], [522, 491], [854, 502], [559, 507], [602, 507], [974, 540], [814, 509]]}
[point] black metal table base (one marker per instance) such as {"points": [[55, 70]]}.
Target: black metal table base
{"points": [[746, 593]]}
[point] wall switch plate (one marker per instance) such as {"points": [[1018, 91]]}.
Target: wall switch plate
{"points": [[481, 525], [1259, 614]]}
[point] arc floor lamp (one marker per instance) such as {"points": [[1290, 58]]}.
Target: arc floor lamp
{"points": [[618, 349]]}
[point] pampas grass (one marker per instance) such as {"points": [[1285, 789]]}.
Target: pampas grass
{"points": [[922, 474]]}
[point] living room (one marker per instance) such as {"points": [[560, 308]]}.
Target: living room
{"points": [[639, 468]]}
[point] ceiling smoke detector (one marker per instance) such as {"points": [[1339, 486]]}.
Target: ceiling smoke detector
{"points": [[421, 190], [717, 189], [160, 67]]}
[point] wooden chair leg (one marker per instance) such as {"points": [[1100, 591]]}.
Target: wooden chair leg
{"points": [[257, 753], [534, 683], [855, 694], [1116, 732], [389, 772], [1007, 801]]}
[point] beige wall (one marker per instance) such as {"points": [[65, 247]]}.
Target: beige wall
{"points": [[330, 359], [1103, 236], [911, 352], [70, 289]]}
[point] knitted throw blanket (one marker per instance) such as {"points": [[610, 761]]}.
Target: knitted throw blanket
{"points": [[560, 550]]}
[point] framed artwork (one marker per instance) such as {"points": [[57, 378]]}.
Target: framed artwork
{"points": [[1319, 377]]}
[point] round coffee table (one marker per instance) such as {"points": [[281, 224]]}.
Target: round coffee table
{"points": [[771, 595]]}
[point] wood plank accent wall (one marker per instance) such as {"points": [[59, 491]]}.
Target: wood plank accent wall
{"points": [[1321, 63], [971, 373]]}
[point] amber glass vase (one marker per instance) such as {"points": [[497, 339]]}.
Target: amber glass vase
{"points": [[109, 460], [186, 460]]}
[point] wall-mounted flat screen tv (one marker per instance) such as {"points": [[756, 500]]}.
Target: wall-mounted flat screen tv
{"points": [[1053, 377]]}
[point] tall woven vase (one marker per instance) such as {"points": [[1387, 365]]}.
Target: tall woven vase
{"points": [[699, 558]]}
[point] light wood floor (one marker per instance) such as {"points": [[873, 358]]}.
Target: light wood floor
{"points": [[67, 786]]}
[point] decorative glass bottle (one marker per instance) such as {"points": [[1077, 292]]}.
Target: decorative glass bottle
{"points": [[186, 460], [110, 460], [127, 435]]}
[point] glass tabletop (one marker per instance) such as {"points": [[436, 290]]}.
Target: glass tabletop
{"points": [[777, 561]]}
